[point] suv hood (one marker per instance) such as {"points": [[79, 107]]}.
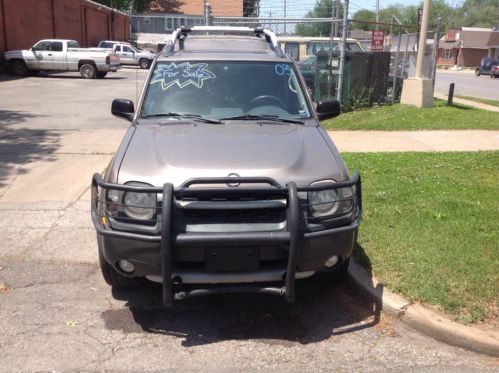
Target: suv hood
{"points": [[177, 152]]}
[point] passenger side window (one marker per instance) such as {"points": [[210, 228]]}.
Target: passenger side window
{"points": [[118, 48], [128, 49], [43, 46]]}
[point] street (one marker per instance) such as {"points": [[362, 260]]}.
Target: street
{"points": [[57, 313], [467, 84]]}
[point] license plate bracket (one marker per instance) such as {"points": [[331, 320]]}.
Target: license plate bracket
{"points": [[231, 258]]}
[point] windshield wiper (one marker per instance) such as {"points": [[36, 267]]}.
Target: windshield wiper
{"points": [[195, 117], [273, 118]]}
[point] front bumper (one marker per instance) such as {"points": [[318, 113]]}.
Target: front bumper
{"points": [[160, 256]]}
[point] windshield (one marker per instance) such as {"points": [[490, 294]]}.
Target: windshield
{"points": [[223, 89]]}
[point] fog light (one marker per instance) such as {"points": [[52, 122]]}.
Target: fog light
{"points": [[126, 266], [331, 262]]}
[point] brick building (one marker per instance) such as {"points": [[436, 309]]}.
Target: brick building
{"points": [[465, 47], [219, 8], [24, 22]]}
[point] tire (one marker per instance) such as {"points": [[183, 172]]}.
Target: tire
{"points": [[101, 74], [88, 71], [335, 276], [477, 72], [144, 63], [19, 68], [114, 278]]}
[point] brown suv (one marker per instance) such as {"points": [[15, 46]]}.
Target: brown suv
{"points": [[225, 180]]}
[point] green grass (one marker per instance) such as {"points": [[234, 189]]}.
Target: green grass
{"points": [[482, 100], [403, 117], [430, 227]]}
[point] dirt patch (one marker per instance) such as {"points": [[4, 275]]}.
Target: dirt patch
{"points": [[4, 288]]}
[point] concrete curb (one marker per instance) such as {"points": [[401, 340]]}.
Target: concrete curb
{"points": [[425, 320]]}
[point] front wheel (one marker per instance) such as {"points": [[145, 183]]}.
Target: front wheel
{"points": [[144, 63], [88, 71], [19, 68]]}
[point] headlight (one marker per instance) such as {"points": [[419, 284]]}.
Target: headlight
{"points": [[140, 206], [329, 202]]}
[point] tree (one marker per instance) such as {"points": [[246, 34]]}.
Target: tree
{"points": [[322, 9], [363, 15]]}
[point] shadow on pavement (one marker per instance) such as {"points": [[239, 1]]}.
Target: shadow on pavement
{"points": [[20, 145], [319, 312]]}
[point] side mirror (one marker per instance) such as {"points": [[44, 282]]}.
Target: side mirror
{"points": [[328, 109], [123, 109]]}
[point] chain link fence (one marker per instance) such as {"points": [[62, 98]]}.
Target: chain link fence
{"points": [[358, 78]]}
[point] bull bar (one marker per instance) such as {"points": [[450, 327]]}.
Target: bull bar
{"points": [[169, 238]]}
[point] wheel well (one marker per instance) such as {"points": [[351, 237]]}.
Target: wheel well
{"points": [[16, 60], [84, 62]]}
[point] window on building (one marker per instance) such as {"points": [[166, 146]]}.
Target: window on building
{"points": [[447, 55], [147, 20], [168, 24]]}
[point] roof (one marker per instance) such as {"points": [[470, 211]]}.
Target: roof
{"points": [[493, 41], [474, 39], [223, 47]]}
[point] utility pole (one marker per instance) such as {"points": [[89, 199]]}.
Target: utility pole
{"points": [[285, 18], [337, 25], [377, 15], [418, 91], [422, 38], [342, 54]]}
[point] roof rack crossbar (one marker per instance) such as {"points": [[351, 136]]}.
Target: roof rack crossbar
{"points": [[270, 36]]}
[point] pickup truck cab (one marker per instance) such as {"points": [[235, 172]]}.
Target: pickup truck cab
{"points": [[62, 55], [225, 181], [129, 55]]}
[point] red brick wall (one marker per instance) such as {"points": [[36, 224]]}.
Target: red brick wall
{"points": [[222, 8], [22, 25], [471, 57]]}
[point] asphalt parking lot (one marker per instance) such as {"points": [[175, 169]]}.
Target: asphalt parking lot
{"points": [[57, 314]]}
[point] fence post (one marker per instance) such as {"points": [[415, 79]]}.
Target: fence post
{"points": [[342, 54], [451, 94], [396, 66], [435, 53]]}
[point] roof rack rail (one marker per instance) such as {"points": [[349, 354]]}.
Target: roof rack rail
{"points": [[270, 36]]}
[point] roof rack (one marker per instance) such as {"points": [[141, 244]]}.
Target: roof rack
{"points": [[182, 32]]}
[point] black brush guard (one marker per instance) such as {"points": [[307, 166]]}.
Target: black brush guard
{"points": [[169, 238]]}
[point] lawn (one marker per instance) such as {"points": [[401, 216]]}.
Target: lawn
{"points": [[404, 117], [430, 229], [482, 100]]}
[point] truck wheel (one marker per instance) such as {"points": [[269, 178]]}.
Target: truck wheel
{"points": [[101, 74], [144, 63], [88, 71], [19, 68], [335, 276], [114, 278], [477, 72]]}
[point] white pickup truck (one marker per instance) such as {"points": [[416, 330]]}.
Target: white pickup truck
{"points": [[62, 55], [129, 55]]}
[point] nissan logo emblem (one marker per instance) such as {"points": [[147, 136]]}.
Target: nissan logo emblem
{"points": [[233, 185]]}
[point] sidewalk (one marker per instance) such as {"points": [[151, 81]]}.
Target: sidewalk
{"points": [[415, 141], [463, 101]]}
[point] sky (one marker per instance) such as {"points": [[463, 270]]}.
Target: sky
{"points": [[298, 8]]}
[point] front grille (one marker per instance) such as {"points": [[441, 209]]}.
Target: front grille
{"points": [[243, 214]]}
